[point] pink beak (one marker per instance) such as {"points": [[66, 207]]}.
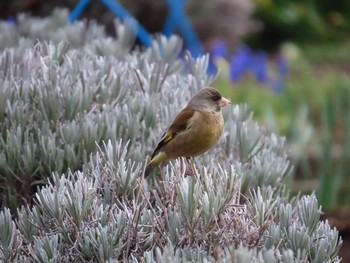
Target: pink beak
{"points": [[224, 102]]}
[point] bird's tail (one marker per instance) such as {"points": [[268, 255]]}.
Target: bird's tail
{"points": [[149, 168], [156, 159]]}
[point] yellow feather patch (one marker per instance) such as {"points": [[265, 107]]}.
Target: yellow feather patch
{"points": [[168, 138], [160, 157]]}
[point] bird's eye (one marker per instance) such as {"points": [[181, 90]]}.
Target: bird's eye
{"points": [[216, 97]]}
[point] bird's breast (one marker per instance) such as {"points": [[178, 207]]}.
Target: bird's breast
{"points": [[214, 124], [203, 132]]}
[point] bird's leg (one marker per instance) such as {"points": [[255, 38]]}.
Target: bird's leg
{"points": [[190, 167]]}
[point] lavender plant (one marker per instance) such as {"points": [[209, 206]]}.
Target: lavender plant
{"points": [[87, 119]]}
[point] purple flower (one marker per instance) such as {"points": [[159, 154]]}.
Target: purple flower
{"points": [[240, 63], [212, 68], [282, 65], [278, 85], [245, 60], [219, 50], [11, 19], [259, 67]]}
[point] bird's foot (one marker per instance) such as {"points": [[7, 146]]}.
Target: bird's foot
{"points": [[190, 167]]}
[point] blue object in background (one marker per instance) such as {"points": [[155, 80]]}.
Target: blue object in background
{"points": [[177, 18], [76, 12], [119, 11], [174, 14]]}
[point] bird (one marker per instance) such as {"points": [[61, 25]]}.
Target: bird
{"points": [[195, 130]]}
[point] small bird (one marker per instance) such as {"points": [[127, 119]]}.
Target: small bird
{"points": [[195, 129]]}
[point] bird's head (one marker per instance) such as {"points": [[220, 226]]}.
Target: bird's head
{"points": [[208, 99]]}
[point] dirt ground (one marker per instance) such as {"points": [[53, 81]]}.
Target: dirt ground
{"points": [[345, 249]]}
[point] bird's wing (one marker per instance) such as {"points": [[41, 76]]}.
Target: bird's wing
{"points": [[180, 124]]}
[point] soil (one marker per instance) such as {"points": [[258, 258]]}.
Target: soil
{"points": [[344, 252]]}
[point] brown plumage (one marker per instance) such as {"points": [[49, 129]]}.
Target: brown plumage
{"points": [[195, 129]]}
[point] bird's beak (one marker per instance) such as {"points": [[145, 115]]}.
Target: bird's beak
{"points": [[224, 102]]}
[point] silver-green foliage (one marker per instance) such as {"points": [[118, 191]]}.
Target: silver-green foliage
{"points": [[56, 101], [108, 212], [94, 115]]}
